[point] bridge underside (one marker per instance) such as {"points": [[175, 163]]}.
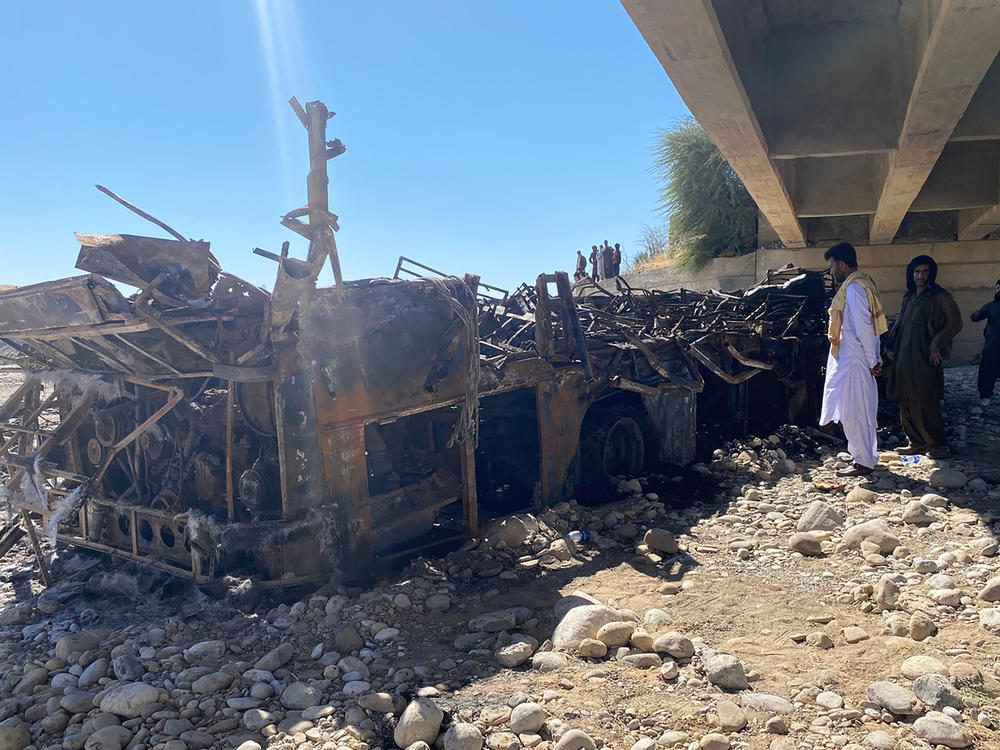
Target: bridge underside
{"points": [[869, 120]]}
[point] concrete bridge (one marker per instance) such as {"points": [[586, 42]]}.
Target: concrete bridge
{"points": [[874, 121]]}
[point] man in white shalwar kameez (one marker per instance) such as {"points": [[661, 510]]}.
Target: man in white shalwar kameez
{"points": [[850, 395]]}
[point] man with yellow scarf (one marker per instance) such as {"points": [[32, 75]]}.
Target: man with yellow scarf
{"points": [[850, 395]]}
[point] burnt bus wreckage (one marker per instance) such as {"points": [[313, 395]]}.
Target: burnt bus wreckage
{"points": [[204, 426]]}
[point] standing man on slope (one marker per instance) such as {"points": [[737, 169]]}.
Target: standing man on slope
{"points": [[921, 338], [850, 395]]}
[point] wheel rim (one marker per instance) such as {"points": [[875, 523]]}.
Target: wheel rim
{"points": [[624, 448]]}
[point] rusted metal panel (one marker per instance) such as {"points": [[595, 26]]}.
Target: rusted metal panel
{"points": [[562, 403], [138, 260], [58, 304], [382, 347]]}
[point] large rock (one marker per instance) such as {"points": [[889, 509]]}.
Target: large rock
{"points": [[661, 540], [129, 699], [514, 654], [85, 640], [77, 703], [463, 737], [300, 695], [582, 622], [576, 599], [275, 658], [765, 704], [112, 737], [731, 716], [256, 719], [14, 738], [820, 516], [212, 683], [420, 721], [876, 532], [921, 626], [894, 698], [861, 496], [989, 620], [937, 692], [886, 593], [511, 531], [549, 661], [948, 479], [725, 671], [940, 729], [576, 739], [675, 644], [918, 514], [991, 591], [527, 717], [205, 653], [127, 668], [494, 622], [805, 544], [97, 669], [616, 634], [920, 665], [31, 679]]}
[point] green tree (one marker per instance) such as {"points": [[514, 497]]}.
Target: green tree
{"points": [[708, 209]]}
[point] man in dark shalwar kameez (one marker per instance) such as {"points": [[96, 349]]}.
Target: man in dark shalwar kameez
{"points": [[919, 341]]}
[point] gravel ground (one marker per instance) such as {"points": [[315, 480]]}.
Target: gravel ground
{"points": [[755, 601]]}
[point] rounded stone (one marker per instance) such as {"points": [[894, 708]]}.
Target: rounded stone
{"points": [[591, 648], [894, 698], [463, 737], [575, 739], [714, 741], [921, 664], [300, 695], [130, 699], [14, 738], [805, 544], [675, 644], [615, 634], [527, 718], [420, 720]]}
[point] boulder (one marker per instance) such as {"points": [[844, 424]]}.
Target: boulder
{"points": [[725, 671], [948, 479], [77, 643], [129, 699], [582, 622], [805, 544], [205, 653], [463, 736], [675, 644], [991, 591], [940, 729], [661, 540], [300, 695], [576, 739], [527, 717], [894, 698], [420, 721], [275, 658], [14, 738], [918, 514], [820, 516], [937, 692], [876, 532]]}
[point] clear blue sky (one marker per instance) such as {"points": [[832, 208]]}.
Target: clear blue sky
{"points": [[486, 137]]}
